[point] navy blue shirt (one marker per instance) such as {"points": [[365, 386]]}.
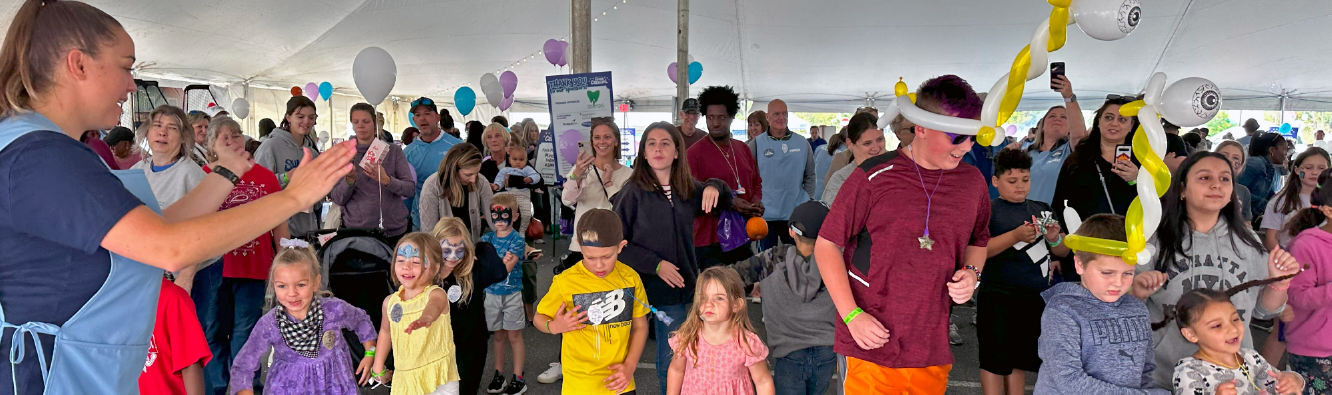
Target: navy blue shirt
{"points": [[1013, 271], [58, 200]]}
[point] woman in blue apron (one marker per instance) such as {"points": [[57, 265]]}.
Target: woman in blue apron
{"points": [[76, 305]]}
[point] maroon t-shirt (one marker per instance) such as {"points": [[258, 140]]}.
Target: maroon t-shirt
{"points": [[894, 280], [727, 163]]}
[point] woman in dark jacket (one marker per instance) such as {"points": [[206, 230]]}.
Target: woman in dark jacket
{"points": [[1092, 181], [470, 269], [662, 252]]}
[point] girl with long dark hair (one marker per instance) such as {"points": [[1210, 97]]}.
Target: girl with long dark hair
{"points": [[1093, 180]]}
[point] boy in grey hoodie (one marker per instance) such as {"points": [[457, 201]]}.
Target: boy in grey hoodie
{"points": [[799, 313], [1094, 341]]}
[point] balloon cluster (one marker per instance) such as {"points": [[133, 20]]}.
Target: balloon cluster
{"points": [[1188, 102], [314, 91], [555, 51], [498, 91], [695, 71]]}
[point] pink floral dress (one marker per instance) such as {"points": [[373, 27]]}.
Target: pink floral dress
{"points": [[720, 369]]}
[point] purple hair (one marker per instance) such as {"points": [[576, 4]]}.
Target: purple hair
{"points": [[949, 95]]}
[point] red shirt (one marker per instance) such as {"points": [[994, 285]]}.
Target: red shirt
{"points": [[177, 342], [735, 165], [253, 259], [893, 279]]}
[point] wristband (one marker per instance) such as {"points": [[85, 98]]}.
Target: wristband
{"points": [[1056, 242], [284, 179], [852, 315], [658, 267], [1133, 182], [377, 375], [369, 352], [548, 327], [974, 269]]}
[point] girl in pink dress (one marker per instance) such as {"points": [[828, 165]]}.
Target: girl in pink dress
{"points": [[716, 349]]}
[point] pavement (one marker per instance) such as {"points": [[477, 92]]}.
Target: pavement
{"points": [[542, 349]]}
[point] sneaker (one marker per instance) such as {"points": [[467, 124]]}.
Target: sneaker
{"points": [[516, 386], [497, 385], [551, 375], [954, 338], [541, 241]]}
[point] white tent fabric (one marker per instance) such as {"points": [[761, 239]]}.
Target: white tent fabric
{"points": [[816, 55]]}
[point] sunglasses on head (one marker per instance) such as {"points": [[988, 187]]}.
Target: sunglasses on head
{"points": [[423, 101], [1120, 99]]}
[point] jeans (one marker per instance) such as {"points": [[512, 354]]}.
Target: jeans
{"points": [[204, 293], [805, 371], [677, 312], [228, 313]]}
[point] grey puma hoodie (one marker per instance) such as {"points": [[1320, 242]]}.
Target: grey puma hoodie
{"points": [[1091, 347]]}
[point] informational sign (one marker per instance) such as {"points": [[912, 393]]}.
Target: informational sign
{"points": [[574, 100], [545, 155], [1277, 129], [628, 143]]}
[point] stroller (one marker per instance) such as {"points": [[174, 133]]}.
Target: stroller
{"points": [[358, 268]]}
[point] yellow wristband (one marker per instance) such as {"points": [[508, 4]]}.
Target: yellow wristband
{"points": [[852, 315]]}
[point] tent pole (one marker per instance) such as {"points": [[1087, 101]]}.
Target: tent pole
{"points": [[681, 57], [581, 23]]}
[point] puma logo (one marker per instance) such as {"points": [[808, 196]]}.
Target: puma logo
{"points": [[1125, 354]]}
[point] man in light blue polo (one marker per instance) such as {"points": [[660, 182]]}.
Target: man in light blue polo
{"points": [[786, 166], [425, 153]]}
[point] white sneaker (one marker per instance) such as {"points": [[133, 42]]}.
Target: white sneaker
{"points": [[551, 375]]}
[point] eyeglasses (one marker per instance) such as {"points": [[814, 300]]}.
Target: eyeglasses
{"points": [[423, 101], [958, 138]]}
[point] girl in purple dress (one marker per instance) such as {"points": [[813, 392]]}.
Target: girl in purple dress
{"points": [[305, 330]]}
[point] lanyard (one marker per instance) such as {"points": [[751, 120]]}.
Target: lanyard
{"points": [[1110, 201]]}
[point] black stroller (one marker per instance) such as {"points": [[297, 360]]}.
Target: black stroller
{"points": [[358, 268]]}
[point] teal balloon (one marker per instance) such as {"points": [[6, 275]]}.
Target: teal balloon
{"points": [[1285, 128], [326, 90], [465, 100], [695, 72]]}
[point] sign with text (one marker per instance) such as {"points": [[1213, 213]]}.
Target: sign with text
{"points": [[574, 100]]}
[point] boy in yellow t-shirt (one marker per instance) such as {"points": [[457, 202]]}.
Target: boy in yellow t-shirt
{"points": [[599, 306]]}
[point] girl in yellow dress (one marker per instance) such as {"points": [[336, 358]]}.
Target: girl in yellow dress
{"points": [[416, 323]]}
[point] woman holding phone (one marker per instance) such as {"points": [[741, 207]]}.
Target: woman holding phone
{"points": [[596, 176], [1099, 176]]}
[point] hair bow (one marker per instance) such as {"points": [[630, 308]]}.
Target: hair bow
{"points": [[293, 243]]}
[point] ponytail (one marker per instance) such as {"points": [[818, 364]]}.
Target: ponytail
{"points": [[835, 142], [39, 37]]}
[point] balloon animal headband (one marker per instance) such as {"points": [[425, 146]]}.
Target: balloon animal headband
{"points": [[1188, 102]]}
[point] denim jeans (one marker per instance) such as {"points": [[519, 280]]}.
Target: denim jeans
{"points": [[204, 293], [228, 309], [806, 371], [677, 312]]}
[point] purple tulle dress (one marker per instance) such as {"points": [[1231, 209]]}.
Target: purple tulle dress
{"points": [[329, 373]]}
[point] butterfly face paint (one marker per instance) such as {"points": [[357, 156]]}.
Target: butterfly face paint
{"points": [[453, 253], [502, 215], [408, 251]]}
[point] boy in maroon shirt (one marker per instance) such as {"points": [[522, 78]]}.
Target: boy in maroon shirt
{"points": [[892, 262]]}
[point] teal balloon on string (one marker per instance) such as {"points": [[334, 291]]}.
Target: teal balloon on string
{"points": [[695, 72], [326, 90]]}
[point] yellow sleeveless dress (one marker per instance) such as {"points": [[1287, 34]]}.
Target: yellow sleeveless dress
{"points": [[425, 359]]}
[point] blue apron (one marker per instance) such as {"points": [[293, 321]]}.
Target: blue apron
{"points": [[781, 164], [101, 348]]}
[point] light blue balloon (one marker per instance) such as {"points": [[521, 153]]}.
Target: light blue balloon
{"points": [[695, 72], [465, 100], [326, 90], [1285, 128]]}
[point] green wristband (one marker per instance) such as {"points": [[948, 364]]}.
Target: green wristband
{"points": [[852, 315], [1133, 182], [378, 375], [369, 353], [548, 327]]}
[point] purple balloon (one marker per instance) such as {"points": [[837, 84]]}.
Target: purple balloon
{"points": [[564, 53], [504, 104], [312, 91], [1012, 130], [509, 81], [670, 71], [553, 51], [569, 145]]}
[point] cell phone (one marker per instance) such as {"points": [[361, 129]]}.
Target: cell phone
{"points": [[1123, 153], [584, 150], [533, 254], [1056, 70]]}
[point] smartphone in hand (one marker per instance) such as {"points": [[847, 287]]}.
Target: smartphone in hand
{"points": [[1123, 153], [583, 149], [1056, 70]]}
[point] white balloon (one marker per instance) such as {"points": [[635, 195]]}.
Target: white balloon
{"points": [[1151, 124], [934, 121], [375, 74], [1071, 218], [1107, 20], [1151, 203], [887, 115], [1155, 88], [1191, 102], [240, 108], [491, 88]]}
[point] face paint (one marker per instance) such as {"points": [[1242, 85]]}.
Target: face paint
{"points": [[408, 251], [452, 252], [502, 215]]}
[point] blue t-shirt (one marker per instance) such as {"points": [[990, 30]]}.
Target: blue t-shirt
{"points": [[513, 243], [424, 158], [1045, 167], [58, 200]]}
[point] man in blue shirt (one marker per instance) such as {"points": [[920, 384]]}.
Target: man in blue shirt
{"points": [[425, 153], [1267, 151], [786, 165]]}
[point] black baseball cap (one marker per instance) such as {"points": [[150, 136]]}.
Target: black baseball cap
{"points": [[690, 105], [119, 134], [807, 218], [423, 102], [599, 227]]}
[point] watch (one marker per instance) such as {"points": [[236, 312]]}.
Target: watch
{"points": [[226, 173], [1071, 98]]}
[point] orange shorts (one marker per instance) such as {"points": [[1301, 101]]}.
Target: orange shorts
{"points": [[868, 378]]}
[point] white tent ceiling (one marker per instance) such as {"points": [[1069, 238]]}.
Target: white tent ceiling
{"points": [[818, 55]]}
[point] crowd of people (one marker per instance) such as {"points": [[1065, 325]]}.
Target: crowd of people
{"points": [[172, 258]]}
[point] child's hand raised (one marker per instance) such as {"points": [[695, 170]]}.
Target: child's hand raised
{"points": [[1288, 383], [424, 321], [567, 320], [1280, 263], [618, 381], [1227, 388], [1147, 283]]}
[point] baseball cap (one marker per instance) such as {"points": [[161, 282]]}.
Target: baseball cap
{"points": [[600, 227], [690, 105], [423, 102], [807, 218], [119, 134]]}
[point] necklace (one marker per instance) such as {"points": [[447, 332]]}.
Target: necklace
{"points": [[926, 243], [1239, 364], [729, 159]]}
